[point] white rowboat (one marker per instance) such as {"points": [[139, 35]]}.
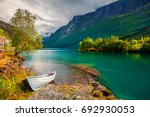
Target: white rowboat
{"points": [[37, 82]]}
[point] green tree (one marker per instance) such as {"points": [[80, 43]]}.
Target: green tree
{"points": [[98, 43], [146, 44], [3, 33], [87, 43], [24, 37], [134, 45], [112, 44], [125, 45]]}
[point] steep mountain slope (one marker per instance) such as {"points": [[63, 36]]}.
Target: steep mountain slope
{"points": [[124, 18]]}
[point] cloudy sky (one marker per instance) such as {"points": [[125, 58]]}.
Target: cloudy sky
{"points": [[51, 13]]}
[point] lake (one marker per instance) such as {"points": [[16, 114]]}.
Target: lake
{"points": [[127, 75]]}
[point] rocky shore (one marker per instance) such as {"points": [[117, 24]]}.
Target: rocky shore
{"points": [[84, 87], [87, 89]]}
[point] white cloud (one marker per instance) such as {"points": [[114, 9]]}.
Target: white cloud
{"points": [[52, 13]]}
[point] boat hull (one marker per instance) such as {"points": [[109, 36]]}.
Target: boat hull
{"points": [[37, 82]]}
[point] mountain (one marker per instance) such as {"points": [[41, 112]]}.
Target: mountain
{"points": [[5, 26], [125, 18]]}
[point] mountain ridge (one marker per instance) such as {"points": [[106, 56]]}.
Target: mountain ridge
{"points": [[83, 22], [100, 14]]}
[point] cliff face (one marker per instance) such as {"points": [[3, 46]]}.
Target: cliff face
{"points": [[84, 21], [114, 9]]}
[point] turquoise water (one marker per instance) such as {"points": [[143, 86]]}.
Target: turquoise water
{"points": [[126, 75]]}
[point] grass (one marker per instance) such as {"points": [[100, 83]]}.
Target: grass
{"points": [[12, 86]]}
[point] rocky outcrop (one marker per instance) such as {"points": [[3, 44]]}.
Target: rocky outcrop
{"points": [[73, 92], [91, 71]]}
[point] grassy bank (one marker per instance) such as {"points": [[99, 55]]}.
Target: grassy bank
{"points": [[12, 75]]}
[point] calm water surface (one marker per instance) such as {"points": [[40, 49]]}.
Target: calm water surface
{"points": [[126, 75]]}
